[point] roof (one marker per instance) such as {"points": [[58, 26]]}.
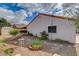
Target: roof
{"points": [[19, 25], [42, 14], [62, 17]]}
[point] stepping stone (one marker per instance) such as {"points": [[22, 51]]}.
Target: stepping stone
{"points": [[60, 45], [55, 44], [18, 55], [75, 46], [69, 46], [56, 54]]}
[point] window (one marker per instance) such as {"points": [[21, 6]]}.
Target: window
{"points": [[51, 29]]}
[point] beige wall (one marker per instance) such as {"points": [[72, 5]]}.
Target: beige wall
{"points": [[5, 31], [65, 28]]}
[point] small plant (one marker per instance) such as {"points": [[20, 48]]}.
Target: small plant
{"points": [[44, 35], [14, 32], [30, 34], [8, 51], [2, 40], [61, 41], [36, 43]]}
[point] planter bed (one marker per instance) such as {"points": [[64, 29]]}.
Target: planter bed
{"points": [[33, 49]]}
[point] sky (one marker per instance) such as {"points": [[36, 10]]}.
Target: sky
{"points": [[21, 13]]}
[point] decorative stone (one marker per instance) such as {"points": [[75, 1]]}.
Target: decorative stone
{"points": [[21, 41], [18, 55], [56, 54]]}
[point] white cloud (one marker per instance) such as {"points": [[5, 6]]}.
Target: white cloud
{"points": [[20, 16], [7, 14], [42, 8], [12, 17], [5, 11]]}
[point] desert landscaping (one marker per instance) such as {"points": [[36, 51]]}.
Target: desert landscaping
{"points": [[50, 48], [48, 29]]}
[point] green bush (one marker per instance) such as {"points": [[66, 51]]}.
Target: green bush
{"points": [[36, 43], [44, 35], [2, 40], [14, 32], [8, 51], [30, 34]]}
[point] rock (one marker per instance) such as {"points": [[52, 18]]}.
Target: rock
{"points": [[18, 55], [56, 54]]}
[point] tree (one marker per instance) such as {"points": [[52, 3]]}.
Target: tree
{"points": [[3, 23], [77, 24]]}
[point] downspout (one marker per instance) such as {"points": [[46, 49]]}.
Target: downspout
{"points": [[51, 28]]}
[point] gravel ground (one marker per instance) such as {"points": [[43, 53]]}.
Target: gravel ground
{"points": [[57, 48], [49, 49]]}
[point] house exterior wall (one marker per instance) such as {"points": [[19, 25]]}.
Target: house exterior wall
{"points": [[65, 28]]}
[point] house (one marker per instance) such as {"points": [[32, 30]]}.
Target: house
{"points": [[57, 27]]}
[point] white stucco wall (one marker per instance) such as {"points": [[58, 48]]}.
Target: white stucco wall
{"points": [[65, 28]]}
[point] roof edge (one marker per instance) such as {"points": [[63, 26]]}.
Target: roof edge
{"points": [[61, 17]]}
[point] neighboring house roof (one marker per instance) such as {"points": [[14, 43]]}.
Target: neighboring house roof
{"points": [[42, 14], [19, 25]]}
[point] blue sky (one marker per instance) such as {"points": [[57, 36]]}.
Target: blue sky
{"points": [[24, 13]]}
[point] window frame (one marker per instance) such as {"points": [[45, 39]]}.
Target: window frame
{"points": [[52, 29]]}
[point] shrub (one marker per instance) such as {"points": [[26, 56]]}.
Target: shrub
{"points": [[61, 41], [8, 51], [36, 43], [30, 34], [2, 40], [44, 35], [14, 32]]}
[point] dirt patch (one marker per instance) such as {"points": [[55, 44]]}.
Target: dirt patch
{"points": [[23, 51]]}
